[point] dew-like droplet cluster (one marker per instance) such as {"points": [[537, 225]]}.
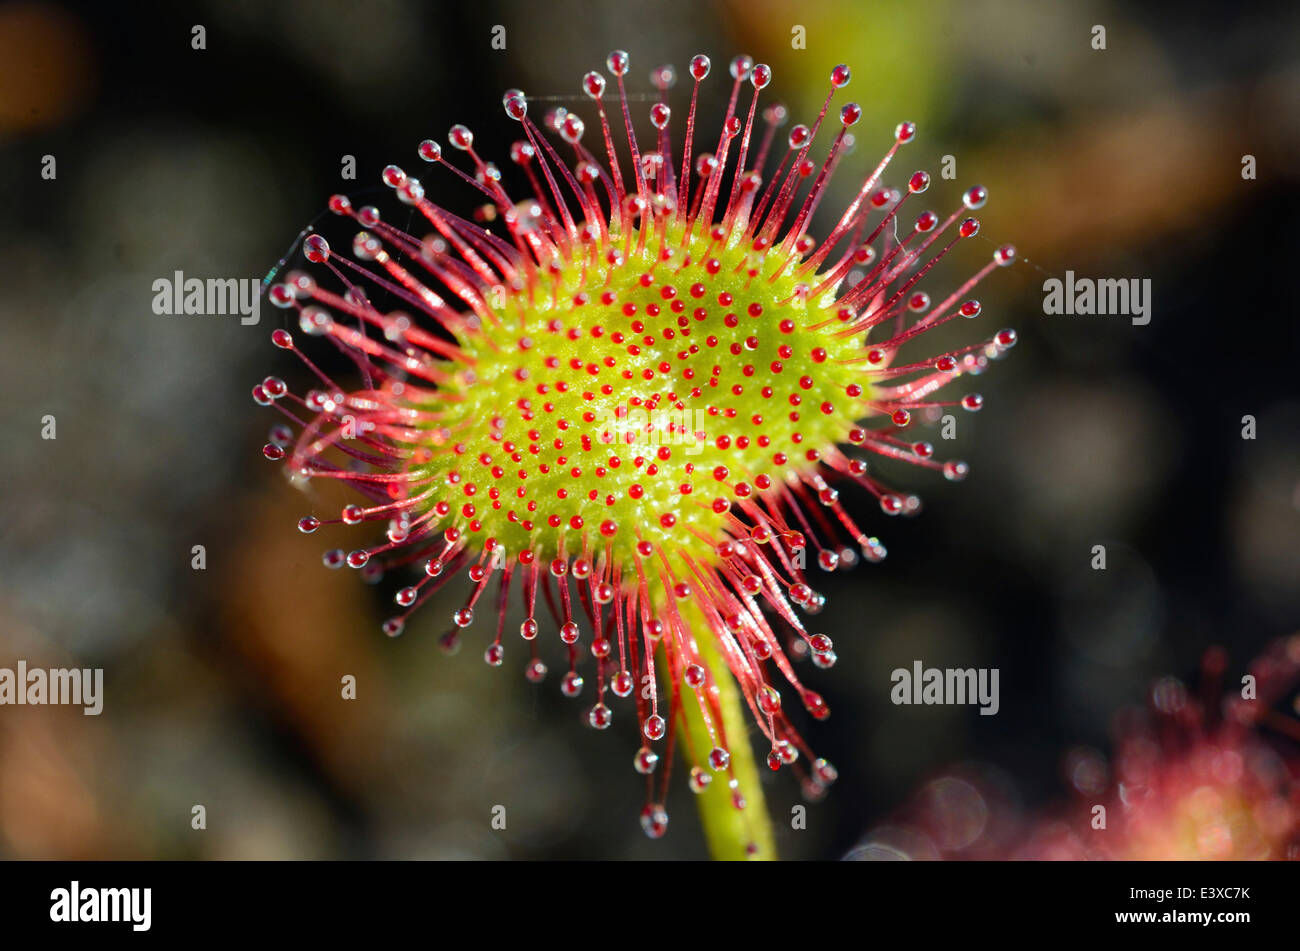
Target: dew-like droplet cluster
{"points": [[637, 396]]}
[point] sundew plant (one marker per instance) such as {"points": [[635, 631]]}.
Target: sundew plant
{"points": [[629, 391]]}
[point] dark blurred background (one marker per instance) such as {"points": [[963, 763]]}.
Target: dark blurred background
{"points": [[222, 685]]}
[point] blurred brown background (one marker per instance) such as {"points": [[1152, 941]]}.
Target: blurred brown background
{"points": [[222, 685]]}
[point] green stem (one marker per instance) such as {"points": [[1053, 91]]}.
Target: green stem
{"points": [[730, 832]]}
